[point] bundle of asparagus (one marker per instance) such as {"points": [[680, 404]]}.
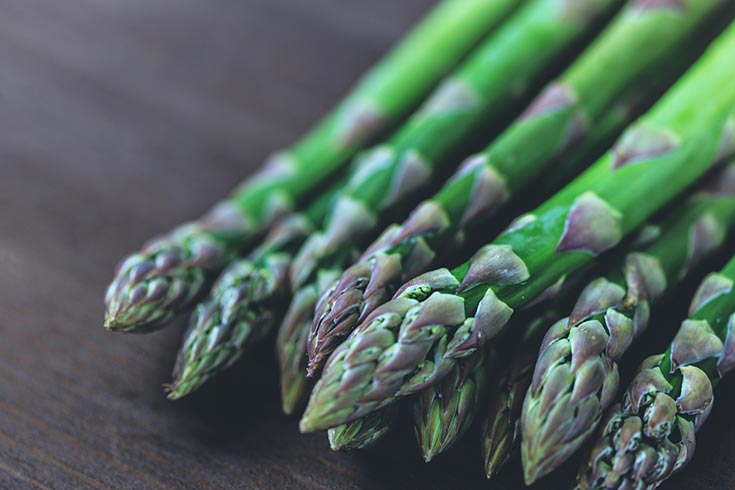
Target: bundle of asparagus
{"points": [[615, 237]]}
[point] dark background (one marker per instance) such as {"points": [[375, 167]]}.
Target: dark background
{"points": [[119, 119]]}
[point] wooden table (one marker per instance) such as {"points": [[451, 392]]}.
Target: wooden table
{"points": [[119, 119]]}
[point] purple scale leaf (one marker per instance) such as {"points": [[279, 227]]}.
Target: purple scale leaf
{"points": [[705, 236], [360, 122], [629, 434], [592, 226], [645, 383], [495, 264], [418, 259], [452, 95], [711, 287], [438, 279], [278, 166], [696, 391], [429, 217], [694, 342], [644, 276], [554, 97], [384, 240], [660, 416], [413, 172], [621, 333], [588, 340], [726, 146], [558, 380], [555, 353], [584, 421], [520, 222], [598, 296], [277, 206], [611, 384], [558, 330], [658, 4], [490, 317], [489, 191], [225, 217], [687, 443], [349, 218], [379, 159], [386, 269], [588, 379], [641, 318], [727, 357], [439, 309], [643, 142]]}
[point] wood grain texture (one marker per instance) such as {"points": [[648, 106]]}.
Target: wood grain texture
{"points": [[119, 119]]}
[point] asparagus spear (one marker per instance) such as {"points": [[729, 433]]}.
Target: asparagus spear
{"points": [[527, 45], [576, 376], [412, 341], [501, 429], [242, 306], [154, 284], [644, 34], [603, 133], [363, 432], [444, 412], [652, 435]]}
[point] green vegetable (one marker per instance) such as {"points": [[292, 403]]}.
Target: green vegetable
{"points": [[153, 285], [652, 434], [412, 341], [643, 37], [576, 376]]}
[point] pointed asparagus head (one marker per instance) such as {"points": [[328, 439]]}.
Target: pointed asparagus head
{"points": [[154, 285], [341, 307], [291, 348], [444, 412], [363, 432], [398, 350], [239, 311]]}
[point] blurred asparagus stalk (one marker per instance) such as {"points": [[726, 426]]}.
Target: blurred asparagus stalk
{"points": [[644, 37], [153, 285], [412, 341], [527, 45]]}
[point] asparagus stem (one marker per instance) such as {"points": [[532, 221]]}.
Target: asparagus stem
{"points": [[242, 307], [501, 428], [642, 38], [527, 45], [412, 341], [153, 285], [652, 434], [444, 412], [363, 432], [576, 376]]}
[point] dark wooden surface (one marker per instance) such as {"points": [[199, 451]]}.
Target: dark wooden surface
{"points": [[119, 119]]}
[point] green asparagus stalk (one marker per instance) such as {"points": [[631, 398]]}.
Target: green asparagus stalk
{"points": [[501, 429], [154, 284], [644, 35], [412, 341], [363, 432], [576, 375], [291, 344], [652, 435], [531, 42], [444, 412], [242, 307]]}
